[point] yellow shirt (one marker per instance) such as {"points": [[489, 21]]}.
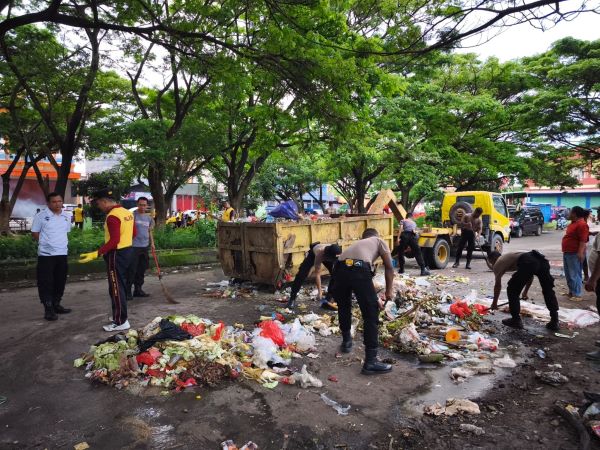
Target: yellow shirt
{"points": [[127, 224], [227, 215], [78, 213]]}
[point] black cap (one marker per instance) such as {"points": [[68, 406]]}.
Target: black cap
{"points": [[103, 193]]}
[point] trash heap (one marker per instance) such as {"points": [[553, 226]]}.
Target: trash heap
{"points": [[440, 327], [182, 351]]}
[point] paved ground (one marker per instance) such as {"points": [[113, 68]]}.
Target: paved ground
{"points": [[51, 405]]}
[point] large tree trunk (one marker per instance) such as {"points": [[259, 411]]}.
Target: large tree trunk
{"points": [[7, 201], [158, 196]]}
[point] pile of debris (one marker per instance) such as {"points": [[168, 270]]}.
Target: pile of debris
{"points": [[182, 351]]}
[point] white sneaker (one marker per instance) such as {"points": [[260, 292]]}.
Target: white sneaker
{"points": [[114, 327]]}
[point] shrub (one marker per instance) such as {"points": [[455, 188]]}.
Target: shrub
{"points": [[202, 234]]}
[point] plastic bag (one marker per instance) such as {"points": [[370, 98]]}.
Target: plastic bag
{"points": [[300, 336], [194, 330], [149, 357], [286, 210], [218, 332], [168, 332], [305, 379], [460, 309], [341, 410], [271, 330], [265, 351]]}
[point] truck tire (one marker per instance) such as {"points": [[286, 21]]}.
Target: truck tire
{"points": [[497, 243], [458, 211], [437, 257]]}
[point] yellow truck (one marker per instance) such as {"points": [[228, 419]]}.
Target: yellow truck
{"points": [[439, 244]]}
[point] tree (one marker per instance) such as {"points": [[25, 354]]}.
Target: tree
{"points": [[117, 179], [564, 102]]}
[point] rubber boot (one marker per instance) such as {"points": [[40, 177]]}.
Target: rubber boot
{"points": [[553, 324], [425, 271], [291, 304], [346, 346], [59, 309], [372, 366], [468, 266], [514, 322], [49, 313]]}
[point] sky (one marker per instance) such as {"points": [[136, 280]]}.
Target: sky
{"points": [[525, 40]]}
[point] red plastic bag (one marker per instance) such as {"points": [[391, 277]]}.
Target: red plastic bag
{"points": [[481, 309], [461, 309], [148, 357], [182, 384], [218, 331], [194, 330], [272, 331]]}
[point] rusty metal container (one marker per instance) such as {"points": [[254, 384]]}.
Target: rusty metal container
{"points": [[271, 253]]}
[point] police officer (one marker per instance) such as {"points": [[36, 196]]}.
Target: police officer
{"points": [[50, 228], [318, 255], [353, 274], [408, 238], [119, 231], [525, 265]]}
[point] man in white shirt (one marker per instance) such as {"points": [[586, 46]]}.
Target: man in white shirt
{"points": [[50, 228], [593, 283]]}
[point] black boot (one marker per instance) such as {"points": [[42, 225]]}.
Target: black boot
{"points": [[425, 271], [553, 324], [514, 322], [372, 366], [59, 309], [455, 265], [346, 346], [49, 313], [291, 304], [468, 266], [140, 293]]}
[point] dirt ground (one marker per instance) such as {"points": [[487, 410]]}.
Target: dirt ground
{"points": [[51, 405]]}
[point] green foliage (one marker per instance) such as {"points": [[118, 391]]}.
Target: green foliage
{"points": [[116, 179], [201, 235]]}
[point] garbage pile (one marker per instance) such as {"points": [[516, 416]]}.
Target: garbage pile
{"points": [[177, 352], [439, 327]]}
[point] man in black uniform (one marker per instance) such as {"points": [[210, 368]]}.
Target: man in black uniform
{"points": [[353, 274], [525, 265], [318, 254], [408, 238]]}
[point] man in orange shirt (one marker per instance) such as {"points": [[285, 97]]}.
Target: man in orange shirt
{"points": [[573, 247], [119, 231]]}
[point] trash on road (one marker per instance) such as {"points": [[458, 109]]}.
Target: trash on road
{"points": [[341, 410], [470, 428], [552, 378], [453, 406]]}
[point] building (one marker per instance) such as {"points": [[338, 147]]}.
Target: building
{"points": [[31, 197], [586, 194]]}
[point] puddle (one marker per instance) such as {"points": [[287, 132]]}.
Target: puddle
{"points": [[442, 387]]}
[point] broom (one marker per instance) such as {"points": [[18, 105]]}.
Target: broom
{"points": [[166, 293]]}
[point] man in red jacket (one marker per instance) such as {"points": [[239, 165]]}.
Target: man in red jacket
{"points": [[119, 231]]}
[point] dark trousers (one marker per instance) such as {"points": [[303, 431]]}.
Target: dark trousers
{"points": [[304, 270], [139, 264], [467, 237], [51, 278], [531, 264], [409, 239], [79, 225], [359, 281], [117, 268]]}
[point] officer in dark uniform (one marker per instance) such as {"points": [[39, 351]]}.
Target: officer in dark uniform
{"points": [[354, 274], [408, 238]]}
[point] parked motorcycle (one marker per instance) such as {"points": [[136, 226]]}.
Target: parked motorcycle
{"points": [[561, 223]]}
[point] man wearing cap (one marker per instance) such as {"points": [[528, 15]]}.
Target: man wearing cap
{"points": [[317, 256], [353, 274], [408, 238], [50, 228], [119, 231]]}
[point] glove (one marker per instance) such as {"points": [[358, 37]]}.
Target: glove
{"points": [[87, 257]]}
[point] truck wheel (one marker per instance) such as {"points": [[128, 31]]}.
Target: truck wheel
{"points": [[437, 257], [497, 243], [538, 230], [458, 211]]}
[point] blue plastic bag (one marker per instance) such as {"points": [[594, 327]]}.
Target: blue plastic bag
{"points": [[286, 210]]}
